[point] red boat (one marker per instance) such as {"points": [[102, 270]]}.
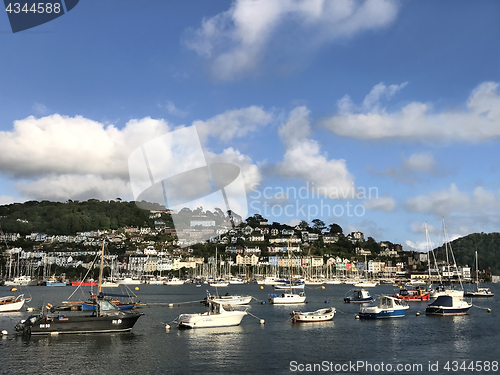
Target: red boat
{"points": [[84, 283], [415, 295]]}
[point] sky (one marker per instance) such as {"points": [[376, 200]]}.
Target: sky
{"points": [[377, 115]]}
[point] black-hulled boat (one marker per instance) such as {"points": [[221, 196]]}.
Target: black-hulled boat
{"points": [[107, 318]]}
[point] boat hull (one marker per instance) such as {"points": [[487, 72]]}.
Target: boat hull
{"points": [[384, 314], [322, 315], [446, 311], [47, 325], [287, 298]]}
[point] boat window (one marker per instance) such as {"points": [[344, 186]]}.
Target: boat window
{"points": [[106, 305]]}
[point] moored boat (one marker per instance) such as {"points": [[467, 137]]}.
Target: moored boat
{"points": [[359, 296], [448, 305], [389, 307], [11, 303], [413, 295], [287, 298], [107, 318], [218, 315], [321, 315], [228, 299], [84, 283]]}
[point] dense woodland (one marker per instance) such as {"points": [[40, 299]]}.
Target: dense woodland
{"points": [[487, 246]]}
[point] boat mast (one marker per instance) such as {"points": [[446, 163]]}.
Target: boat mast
{"points": [[102, 263]]}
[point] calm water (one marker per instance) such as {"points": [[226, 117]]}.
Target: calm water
{"points": [[277, 347]]}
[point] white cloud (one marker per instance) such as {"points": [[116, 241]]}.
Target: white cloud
{"points": [[236, 41], [383, 203], [233, 123], [412, 167], [417, 122], [7, 199], [250, 172], [453, 201], [174, 111], [40, 109], [72, 145], [303, 159]]}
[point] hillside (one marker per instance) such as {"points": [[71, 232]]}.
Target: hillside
{"points": [[70, 217], [487, 246]]}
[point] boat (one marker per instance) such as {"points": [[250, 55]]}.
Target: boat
{"points": [[292, 286], [236, 281], [174, 281], [218, 283], [321, 315], [413, 295], [445, 290], [366, 284], [52, 281], [22, 280], [84, 283], [106, 318], [11, 303], [448, 305], [287, 298], [389, 307], [359, 296], [227, 299], [268, 280], [129, 281], [218, 315], [479, 292]]}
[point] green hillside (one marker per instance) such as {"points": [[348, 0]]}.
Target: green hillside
{"points": [[487, 246], [70, 217]]}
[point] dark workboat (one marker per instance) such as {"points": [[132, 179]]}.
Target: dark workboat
{"points": [[106, 318]]}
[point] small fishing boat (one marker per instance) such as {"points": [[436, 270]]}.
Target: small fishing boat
{"points": [[389, 307], [359, 296], [366, 284], [287, 298], [448, 305], [174, 281], [11, 303], [413, 295], [227, 299], [84, 283], [107, 318], [218, 315], [480, 291], [321, 315]]}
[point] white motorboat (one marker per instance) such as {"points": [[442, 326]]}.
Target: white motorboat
{"points": [[174, 281], [236, 281], [22, 280], [11, 303], [129, 281], [268, 280], [367, 284], [219, 283], [218, 315], [229, 299], [448, 305], [321, 315], [359, 296], [389, 307], [443, 290], [287, 298]]}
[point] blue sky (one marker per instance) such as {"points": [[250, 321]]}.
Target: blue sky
{"points": [[399, 99]]}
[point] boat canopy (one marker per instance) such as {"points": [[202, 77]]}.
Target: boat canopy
{"points": [[446, 301]]}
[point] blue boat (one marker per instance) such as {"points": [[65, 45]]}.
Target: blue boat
{"points": [[389, 307], [359, 296], [448, 305]]}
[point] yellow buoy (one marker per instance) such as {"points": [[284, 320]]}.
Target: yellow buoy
{"points": [[489, 310], [322, 287], [261, 287], [136, 288], [13, 289]]}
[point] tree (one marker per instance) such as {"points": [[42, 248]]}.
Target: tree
{"points": [[318, 225], [335, 228]]}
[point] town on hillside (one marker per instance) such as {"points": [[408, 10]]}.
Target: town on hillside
{"points": [[250, 249]]}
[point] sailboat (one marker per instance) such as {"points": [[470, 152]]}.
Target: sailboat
{"points": [[217, 282], [288, 297], [447, 290], [479, 292], [11, 303], [107, 318]]}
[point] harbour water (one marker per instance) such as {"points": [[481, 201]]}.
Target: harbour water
{"points": [[409, 345]]}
